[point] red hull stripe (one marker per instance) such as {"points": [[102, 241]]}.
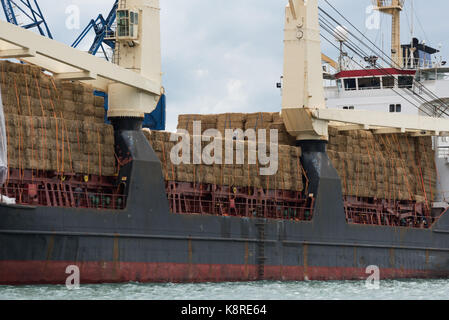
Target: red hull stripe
{"points": [[51, 272], [373, 73]]}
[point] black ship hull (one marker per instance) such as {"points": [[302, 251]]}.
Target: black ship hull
{"points": [[147, 243]]}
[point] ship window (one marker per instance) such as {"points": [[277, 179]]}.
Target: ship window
{"points": [[123, 23], [339, 85], [395, 108], [406, 82], [388, 82], [348, 108], [350, 84], [369, 83], [134, 17]]}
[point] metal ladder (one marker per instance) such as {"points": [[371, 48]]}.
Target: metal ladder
{"points": [[116, 54]]}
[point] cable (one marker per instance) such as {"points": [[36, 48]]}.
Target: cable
{"points": [[430, 93], [364, 54], [416, 106], [382, 70], [385, 73], [358, 53]]}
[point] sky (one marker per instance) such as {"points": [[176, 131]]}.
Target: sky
{"points": [[226, 56]]}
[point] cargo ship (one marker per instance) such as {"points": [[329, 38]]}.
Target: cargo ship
{"points": [[111, 199]]}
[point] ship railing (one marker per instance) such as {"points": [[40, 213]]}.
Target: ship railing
{"points": [[280, 211], [378, 215], [64, 196]]}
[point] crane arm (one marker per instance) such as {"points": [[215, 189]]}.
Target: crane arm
{"points": [[330, 61]]}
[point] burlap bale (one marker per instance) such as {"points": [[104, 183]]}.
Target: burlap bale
{"points": [[288, 177], [383, 166]]}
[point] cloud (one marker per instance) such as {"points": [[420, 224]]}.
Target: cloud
{"points": [[226, 56]]}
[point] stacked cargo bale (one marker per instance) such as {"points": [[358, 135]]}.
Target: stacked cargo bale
{"points": [[284, 137], [232, 121], [260, 120], [56, 144], [27, 91], [53, 125], [387, 166], [185, 122], [289, 175]]}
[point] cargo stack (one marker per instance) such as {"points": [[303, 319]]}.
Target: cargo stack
{"points": [[185, 122], [288, 177], [284, 137], [387, 166], [230, 121], [53, 125], [244, 121]]}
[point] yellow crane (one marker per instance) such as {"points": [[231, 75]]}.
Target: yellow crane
{"points": [[330, 61], [393, 8]]}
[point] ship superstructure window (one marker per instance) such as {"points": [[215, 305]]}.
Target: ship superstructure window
{"points": [[405, 82], [348, 108], [395, 108], [127, 24], [369, 83], [339, 84], [123, 23], [388, 82], [350, 84]]}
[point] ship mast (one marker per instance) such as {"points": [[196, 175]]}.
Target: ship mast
{"points": [[393, 8]]}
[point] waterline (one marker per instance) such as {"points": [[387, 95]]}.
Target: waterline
{"points": [[264, 290]]}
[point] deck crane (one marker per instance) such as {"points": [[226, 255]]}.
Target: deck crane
{"points": [[105, 34], [303, 105], [133, 85], [304, 109], [27, 14]]}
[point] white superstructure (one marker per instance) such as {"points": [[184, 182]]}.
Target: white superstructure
{"points": [[421, 87]]}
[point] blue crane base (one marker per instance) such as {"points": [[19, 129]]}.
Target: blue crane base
{"points": [[153, 121]]}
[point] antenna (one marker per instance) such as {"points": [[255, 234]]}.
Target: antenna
{"points": [[412, 28], [341, 35]]}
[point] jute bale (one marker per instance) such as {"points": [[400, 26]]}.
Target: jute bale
{"points": [[238, 175]]}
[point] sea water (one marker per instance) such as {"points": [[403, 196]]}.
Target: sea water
{"points": [[265, 290]]}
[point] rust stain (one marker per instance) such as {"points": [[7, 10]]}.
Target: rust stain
{"points": [[392, 262], [427, 257], [402, 233], [116, 250], [355, 257], [190, 259], [305, 249], [210, 270], [51, 244], [246, 260], [115, 259]]}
